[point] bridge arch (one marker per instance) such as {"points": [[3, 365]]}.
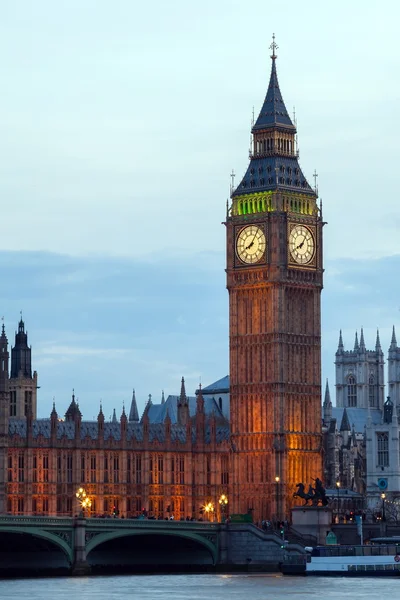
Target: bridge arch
{"points": [[113, 535], [43, 534]]}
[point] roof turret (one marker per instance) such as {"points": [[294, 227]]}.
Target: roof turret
{"points": [[134, 413]]}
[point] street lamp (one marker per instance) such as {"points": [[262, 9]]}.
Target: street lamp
{"points": [[83, 499], [223, 502], [277, 480], [338, 488], [209, 509], [383, 496]]}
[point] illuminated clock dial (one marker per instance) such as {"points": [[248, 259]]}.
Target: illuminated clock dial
{"points": [[301, 244], [251, 244]]}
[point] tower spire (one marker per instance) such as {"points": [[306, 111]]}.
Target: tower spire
{"points": [[356, 345], [362, 343], [182, 396], [340, 344], [133, 413], [393, 343], [378, 347], [327, 398]]}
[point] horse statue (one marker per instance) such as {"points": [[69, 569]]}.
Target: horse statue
{"points": [[315, 494], [302, 494]]}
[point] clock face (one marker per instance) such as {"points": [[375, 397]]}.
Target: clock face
{"points": [[301, 244], [251, 244]]}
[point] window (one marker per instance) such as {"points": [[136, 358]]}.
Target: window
{"points": [[13, 404], [129, 478], [21, 469], [10, 469], [383, 449], [181, 470], [83, 463], [59, 469], [45, 469], [105, 469], [34, 505], [45, 506], [116, 469], [69, 505], [138, 467], [28, 402], [372, 392], [208, 470], [93, 468], [220, 403], [69, 468], [172, 470], [224, 470], [20, 505], [351, 391], [34, 469], [160, 465], [151, 470]]}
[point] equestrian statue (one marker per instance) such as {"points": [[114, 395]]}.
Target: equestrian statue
{"points": [[315, 494]]}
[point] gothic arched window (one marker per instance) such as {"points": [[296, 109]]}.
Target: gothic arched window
{"points": [[351, 391], [372, 392], [383, 449]]}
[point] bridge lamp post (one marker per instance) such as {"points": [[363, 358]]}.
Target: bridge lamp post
{"points": [[83, 499], [209, 509], [223, 502], [338, 488], [383, 496], [278, 508]]}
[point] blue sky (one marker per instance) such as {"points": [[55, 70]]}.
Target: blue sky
{"points": [[120, 123]]}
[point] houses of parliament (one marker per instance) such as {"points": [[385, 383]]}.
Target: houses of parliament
{"points": [[252, 436]]}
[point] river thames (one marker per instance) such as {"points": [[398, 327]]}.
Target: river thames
{"points": [[200, 587]]}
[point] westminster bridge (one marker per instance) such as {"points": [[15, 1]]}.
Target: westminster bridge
{"points": [[79, 545]]}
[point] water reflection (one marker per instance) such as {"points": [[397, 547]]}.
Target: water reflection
{"points": [[198, 587]]}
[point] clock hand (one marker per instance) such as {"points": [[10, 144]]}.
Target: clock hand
{"points": [[252, 241], [300, 245]]}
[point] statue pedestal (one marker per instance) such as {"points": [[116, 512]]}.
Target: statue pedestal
{"points": [[312, 520]]}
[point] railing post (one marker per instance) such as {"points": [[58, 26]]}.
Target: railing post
{"points": [[80, 565]]}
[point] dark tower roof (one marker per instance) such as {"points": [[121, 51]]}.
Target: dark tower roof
{"points": [[274, 168], [21, 353], [273, 112], [73, 409]]}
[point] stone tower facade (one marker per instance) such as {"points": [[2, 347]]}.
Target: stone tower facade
{"points": [[394, 372], [22, 384], [4, 417], [274, 279], [360, 379]]}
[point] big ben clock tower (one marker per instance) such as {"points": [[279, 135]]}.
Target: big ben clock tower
{"points": [[274, 278]]}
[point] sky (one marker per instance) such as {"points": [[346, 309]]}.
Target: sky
{"points": [[120, 123]]}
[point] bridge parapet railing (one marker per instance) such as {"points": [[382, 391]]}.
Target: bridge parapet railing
{"points": [[150, 523], [33, 520]]}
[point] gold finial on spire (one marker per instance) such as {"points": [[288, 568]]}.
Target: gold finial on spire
{"points": [[274, 46]]}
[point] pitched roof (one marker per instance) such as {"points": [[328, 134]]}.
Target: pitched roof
{"points": [[273, 111]]}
